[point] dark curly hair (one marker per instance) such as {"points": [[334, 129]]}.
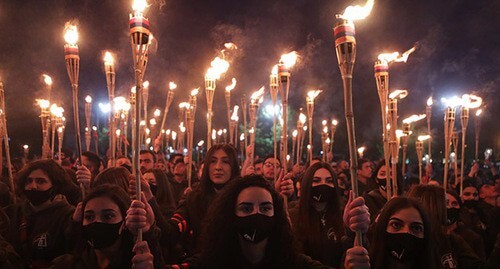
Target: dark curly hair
{"points": [[220, 243], [118, 176]]}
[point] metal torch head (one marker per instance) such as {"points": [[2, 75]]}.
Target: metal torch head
{"points": [[139, 30]]}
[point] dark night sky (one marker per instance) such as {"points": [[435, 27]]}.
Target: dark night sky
{"points": [[458, 54]]}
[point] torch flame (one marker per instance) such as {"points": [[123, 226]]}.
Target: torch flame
{"points": [[174, 135], [399, 94], [43, 103], [218, 67], [230, 46], [139, 5], [361, 150], [302, 118], [168, 132], [26, 147], [201, 143], [289, 59], [478, 112], [258, 96], [108, 58], [94, 128], [121, 104], [414, 118], [399, 133], [335, 122], [232, 86], [183, 105], [214, 134], [157, 113], [57, 111], [395, 56], [172, 86], [195, 92], [70, 34], [274, 71], [47, 79], [235, 117], [324, 122], [452, 102], [357, 12], [152, 122], [60, 129], [242, 137], [145, 84], [295, 133], [328, 141], [313, 94], [423, 137], [472, 101], [88, 99], [325, 130], [429, 101]]}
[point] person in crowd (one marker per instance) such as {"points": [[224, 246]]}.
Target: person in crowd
{"points": [[117, 176], [258, 165], [456, 225], [247, 227], [147, 160], [109, 222], [284, 183], [178, 181], [162, 191], [124, 161], [317, 221], [172, 160], [402, 237], [342, 165], [271, 168], [67, 160], [376, 199], [85, 173], [489, 214], [452, 251], [364, 174], [344, 185], [36, 228]]}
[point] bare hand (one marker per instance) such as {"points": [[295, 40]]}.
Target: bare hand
{"points": [[143, 259], [139, 216], [83, 176], [284, 185], [357, 257], [144, 187], [356, 215], [78, 213]]}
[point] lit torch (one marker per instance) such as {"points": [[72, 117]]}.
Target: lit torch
{"points": [[311, 95], [333, 128], [324, 137], [140, 36], [218, 67], [88, 117], [300, 135], [419, 145], [392, 117], [72, 58], [469, 101], [477, 129], [273, 88], [234, 125], [109, 69], [228, 106], [44, 116], [449, 122], [170, 96], [255, 100], [428, 112], [3, 123], [406, 135]]}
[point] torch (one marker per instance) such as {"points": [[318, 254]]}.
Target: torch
{"points": [[140, 38], [406, 134], [286, 62], [228, 106], [48, 81], [72, 58], [392, 117], [454, 153], [449, 122], [273, 88], [324, 137], [60, 136], [44, 116], [477, 129], [255, 100], [234, 125], [218, 67], [242, 146], [244, 112], [361, 152], [428, 112], [295, 133], [170, 96], [345, 45], [469, 101], [300, 137], [26, 152], [333, 128], [190, 126], [3, 123], [419, 145], [88, 117], [57, 115], [311, 95], [109, 69]]}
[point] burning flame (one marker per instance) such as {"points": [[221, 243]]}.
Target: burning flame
{"points": [[235, 117], [395, 56], [57, 111], [399, 94], [152, 122], [295, 133], [399, 134], [214, 134], [242, 137], [88, 99], [328, 141], [133, 90], [324, 122], [471, 101], [70, 34], [274, 71], [452, 102], [174, 135], [195, 92], [47, 79], [172, 86], [218, 67], [184, 105], [94, 128], [289, 59], [230, 46], [429, 101], [201, 143], [258, 96], [357, 12], [43, 103], [414, 118], [335, 122], [325, 130], [361, 150], [108, 58], [423, 137], [157, 113], [232, 86], [313, 94], [121, 104], [26, 147], [478, 112], [60, 129], [139, 5], [145, 84], [168, 132], [302, 118]]}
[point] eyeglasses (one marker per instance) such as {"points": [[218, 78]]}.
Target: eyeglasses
{"points": [[269, 165]]}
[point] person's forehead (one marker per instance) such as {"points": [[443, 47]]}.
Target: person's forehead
{"points": [[254, 195], [271, 160], [470, 189], [408, 215], [146, 155], [450, 197]]}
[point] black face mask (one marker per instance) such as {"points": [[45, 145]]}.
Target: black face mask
{"points": [[321, 193], [404, 246], [382, 183], [452, 214], [153, 189], [38, 197], [470, 203], [254, 228], [101, 235]]}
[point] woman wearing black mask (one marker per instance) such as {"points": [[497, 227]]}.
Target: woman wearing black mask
{"points": [[402, 237], [376, 199], [317, 221], [36, 227], [162, 191], [108, 227], [451, 250]]}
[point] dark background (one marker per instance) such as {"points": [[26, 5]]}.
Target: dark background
{"points": [[458, 53]]}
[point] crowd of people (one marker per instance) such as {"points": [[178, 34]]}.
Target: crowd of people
{"points": [[251, 214]]}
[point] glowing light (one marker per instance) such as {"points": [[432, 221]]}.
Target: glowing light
{"points": [[88, 99], [145, 84], [361, 150], [328, 141], [258, 96], [157, 113], [324, 122], [429, 101], [274, 71], [399, 133], [295, 133], [108, 59], [357, 12], [414, 118], [335, 122], [168, 132], [94, 128], [152, 122], [195, 92], [313, 94], [325, 130], [234, 116], [139, 5], [452, 102], [200, 144], [218, 67], [219, 132], [174, 135], [302, 118], [70, 34], [47, 79], [184, 105], [230, 46], [478, 112], [242, 137], [172, 86], [289, 59], [26, 147], [232, 86], [44, 104], [57, 111], [471, 101], [214, 134], [398, 94], [423, 137]]}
